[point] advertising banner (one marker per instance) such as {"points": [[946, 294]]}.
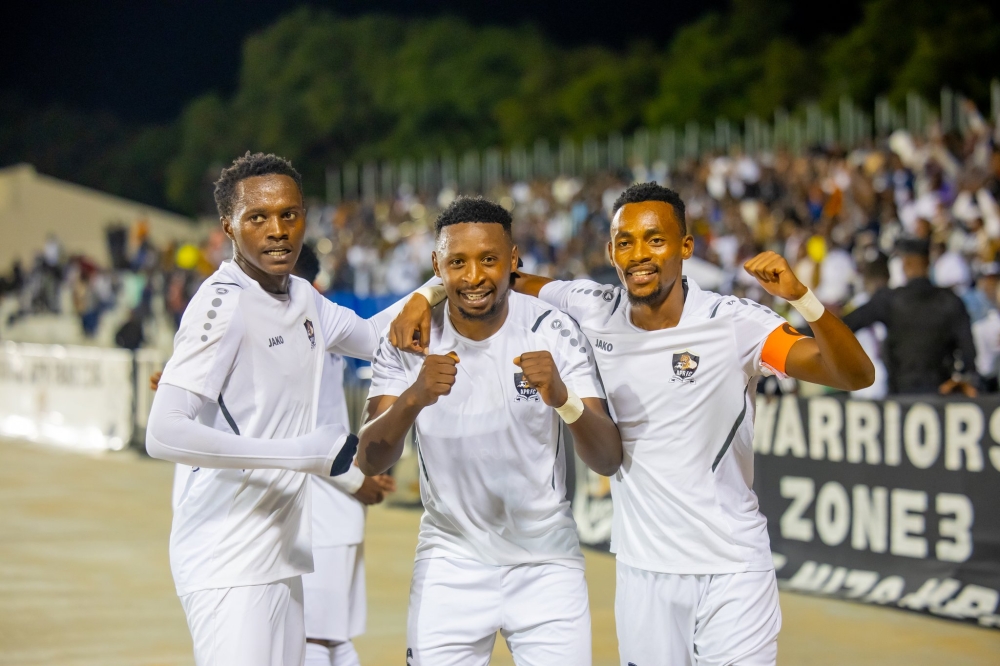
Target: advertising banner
{"points": [[891, 503], [78, 397]]}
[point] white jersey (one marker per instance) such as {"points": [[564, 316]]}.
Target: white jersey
{"points": [[338, 518], [258, 357], [492, 465], [683, 399]]}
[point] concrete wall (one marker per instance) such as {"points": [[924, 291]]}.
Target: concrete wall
{"points": [[33, 206]]}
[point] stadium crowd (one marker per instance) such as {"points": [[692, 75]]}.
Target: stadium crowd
{"points": [[836, 215]]}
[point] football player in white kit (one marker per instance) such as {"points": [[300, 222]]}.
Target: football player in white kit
{"points": [[238, 402], [335, 604], [680, 365], [498, 548]]}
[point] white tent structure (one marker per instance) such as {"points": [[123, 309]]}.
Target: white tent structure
{"points": [[34, 206]]}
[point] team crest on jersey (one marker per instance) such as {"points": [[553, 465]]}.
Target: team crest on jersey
{"points": [[311, 332], [524, 392], [685, 364]]}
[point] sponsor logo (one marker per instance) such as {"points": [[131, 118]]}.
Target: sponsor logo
{"points": [[556, 324], [609, 296], [275, 341], [685, 364], [221, 290], [311, 332], [524, 392], [604, 346]]}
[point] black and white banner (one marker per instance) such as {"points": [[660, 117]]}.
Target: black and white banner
{"points": [[894, 502], [891, 503]]}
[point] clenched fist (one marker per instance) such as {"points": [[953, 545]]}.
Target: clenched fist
{"points": [[776, 276], [437, 376], [541, 373]]}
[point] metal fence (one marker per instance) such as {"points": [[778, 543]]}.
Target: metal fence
{"points": [[651, 149]]}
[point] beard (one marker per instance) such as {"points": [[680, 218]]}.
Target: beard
{"points": [[652, 298]]}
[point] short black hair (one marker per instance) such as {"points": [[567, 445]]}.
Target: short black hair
{"points": [[248, 166], [473, 209], [653, 192]]}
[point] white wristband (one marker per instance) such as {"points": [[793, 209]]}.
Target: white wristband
{"points": [[434, 295], [809, 306], [572, 409]]}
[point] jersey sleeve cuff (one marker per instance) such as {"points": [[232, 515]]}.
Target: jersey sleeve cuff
{"points": [[394, 389], [192, 387], [587, 390]]}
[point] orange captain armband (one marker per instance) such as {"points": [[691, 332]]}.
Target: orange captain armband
{"points": [[777, 345]]}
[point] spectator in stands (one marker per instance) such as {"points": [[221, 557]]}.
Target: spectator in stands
{"points": [[981, 300], [131, 336], [926, 327], [986, 327], [875, 278]]}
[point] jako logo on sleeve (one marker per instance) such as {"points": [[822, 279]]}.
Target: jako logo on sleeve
{"points": [[604, 346]]}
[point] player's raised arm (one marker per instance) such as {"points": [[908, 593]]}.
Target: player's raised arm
{"points": [[531, 285], [833, 357], [388, 417], [350, 335], [595, 435]]}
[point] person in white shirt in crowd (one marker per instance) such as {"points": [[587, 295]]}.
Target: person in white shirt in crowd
{"points": [[498, 548], [238, 402], [680, 366], [986, 325], [983, 298], [874, 276], [335, 603]]}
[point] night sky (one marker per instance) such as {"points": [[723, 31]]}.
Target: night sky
{"points": [[143, 60]]}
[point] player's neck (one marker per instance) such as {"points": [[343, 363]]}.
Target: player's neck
{"points": [[273, 284], [478, 329], [664, 314]]}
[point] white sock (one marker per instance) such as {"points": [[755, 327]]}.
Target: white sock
{"points": [[317, 655], [344, 654]]}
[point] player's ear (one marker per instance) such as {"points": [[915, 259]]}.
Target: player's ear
{"points": [[227, 227], [687, 247], [514, 259], [611, 254], [434, 263]]}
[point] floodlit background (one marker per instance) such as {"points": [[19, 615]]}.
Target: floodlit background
{"points": [[823, 133]]}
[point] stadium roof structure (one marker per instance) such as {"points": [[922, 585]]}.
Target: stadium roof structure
{"points": [[34, 207]]}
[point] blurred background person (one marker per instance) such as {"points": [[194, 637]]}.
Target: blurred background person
{"points": [[929, 347]]}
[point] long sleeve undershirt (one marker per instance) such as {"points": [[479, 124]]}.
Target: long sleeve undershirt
{"points": [[175, 434]]}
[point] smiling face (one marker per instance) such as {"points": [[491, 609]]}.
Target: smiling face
{"points": [[474, 261], [647, 249], [267, 227]]}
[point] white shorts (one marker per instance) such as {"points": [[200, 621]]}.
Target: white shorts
{"points": [[457, 606], [335, 604], [256, 625], [688, 620]]}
